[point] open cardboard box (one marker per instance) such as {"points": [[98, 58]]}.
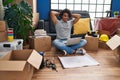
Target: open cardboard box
{"points": [[114, 44], [19, 64], [92, 43]]}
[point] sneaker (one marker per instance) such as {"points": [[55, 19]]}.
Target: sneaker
{"points": [[81, 51], [65, 53]]}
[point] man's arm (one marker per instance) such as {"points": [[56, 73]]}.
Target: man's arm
{"points": [[76, 17], [53, 15]]}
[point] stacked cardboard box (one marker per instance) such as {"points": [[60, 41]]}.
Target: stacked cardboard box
{"points": [[92, 43], [3, 32], [19, 64], [35, 19], [36, 15], [41, 43]]}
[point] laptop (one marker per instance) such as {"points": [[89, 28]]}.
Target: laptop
{"points": [[72, 41]]}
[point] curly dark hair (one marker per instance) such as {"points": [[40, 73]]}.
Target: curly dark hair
{"points": [[65, 11]]}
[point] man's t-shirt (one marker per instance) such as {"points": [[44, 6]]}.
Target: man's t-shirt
{"points": [[63, 29]]}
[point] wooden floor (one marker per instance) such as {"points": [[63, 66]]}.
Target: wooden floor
{"points": [[109, 68]]}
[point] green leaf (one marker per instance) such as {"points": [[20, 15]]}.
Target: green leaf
{"points": [[6, 2], [19, 16]]}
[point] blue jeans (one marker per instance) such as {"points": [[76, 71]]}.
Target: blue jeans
{"points": [[58, 43]]}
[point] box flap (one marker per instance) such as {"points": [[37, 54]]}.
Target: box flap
{"points": [[35, 59], [7, 55], [114, 42], [12, 65]]}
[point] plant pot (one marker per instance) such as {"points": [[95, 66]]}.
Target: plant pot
{"points": [[115, 16]]}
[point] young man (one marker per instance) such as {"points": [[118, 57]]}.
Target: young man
{"points": [[63, 31]]}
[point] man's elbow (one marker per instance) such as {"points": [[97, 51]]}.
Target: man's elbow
{"points": [[79, 16], [51, 12]]}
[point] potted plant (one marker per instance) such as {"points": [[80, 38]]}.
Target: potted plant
{"points": [[116, 13], [19, 17]]}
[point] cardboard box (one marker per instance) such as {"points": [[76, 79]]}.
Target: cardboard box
{"points": [[117, 53], [32, 3], [35, 16], [19, 64], [118, 34], [114, 44], [35, 24], [103, 45], [118, 31], [42, 43], [3, 36], [92, 43], [2, 26], [104, 32], [35, 19]]}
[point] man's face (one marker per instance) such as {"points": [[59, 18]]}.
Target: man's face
{"points": [[65, 17]]}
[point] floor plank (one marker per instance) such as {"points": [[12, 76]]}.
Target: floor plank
{"points": [[109, 68]]}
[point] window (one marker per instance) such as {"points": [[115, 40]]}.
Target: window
{"points": [[96, 8]]}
